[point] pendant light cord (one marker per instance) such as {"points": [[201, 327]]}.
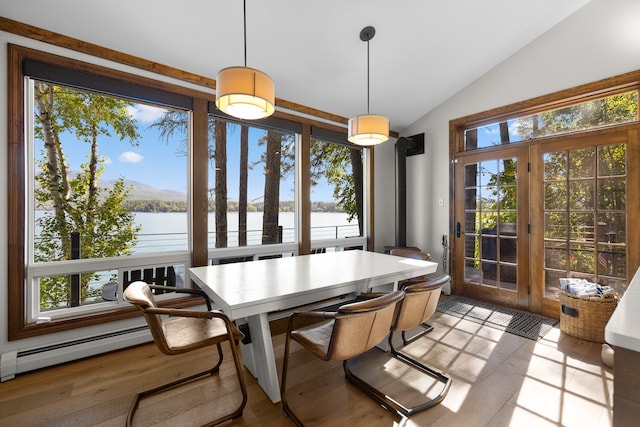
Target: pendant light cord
{"points": [[367, 34], [368, 77], [244, 12]]}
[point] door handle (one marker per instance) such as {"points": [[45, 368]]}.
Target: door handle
{"points": [[458, 229]]}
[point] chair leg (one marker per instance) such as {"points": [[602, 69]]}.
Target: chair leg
{"points": [[238, 364], [426, 328], [283, 384], [388, 402], [216, 368], [237, 361]]}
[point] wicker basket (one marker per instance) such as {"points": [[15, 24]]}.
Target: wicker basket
{"points": [[586, 317]]}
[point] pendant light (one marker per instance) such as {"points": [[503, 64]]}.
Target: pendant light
{"points": [[243, 92], [368, 129]]}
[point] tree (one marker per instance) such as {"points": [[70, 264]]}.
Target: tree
{"points": [[272, 174], [342, 167], [221, 182], [243, 184], [613, 109], [77, 203]]}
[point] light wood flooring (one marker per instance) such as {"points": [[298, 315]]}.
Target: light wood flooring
{"points": [[499, 379]]}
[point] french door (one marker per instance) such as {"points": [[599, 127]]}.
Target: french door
{"points": [[584, 213], [490, 229], [528, 214]]}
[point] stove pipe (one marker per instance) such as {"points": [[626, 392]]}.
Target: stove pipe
{"points": [[405, 146]]}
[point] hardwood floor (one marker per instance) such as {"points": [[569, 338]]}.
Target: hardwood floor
{"points": [[499, 379]]}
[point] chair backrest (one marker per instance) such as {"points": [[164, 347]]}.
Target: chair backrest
{"points": [[139, 294], [360, 326], [419, 303], [410, 253]]}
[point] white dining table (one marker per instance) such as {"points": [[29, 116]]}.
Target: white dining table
{"points": [[251, 290]]}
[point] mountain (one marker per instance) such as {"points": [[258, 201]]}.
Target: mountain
{"points": [[142, 191]]}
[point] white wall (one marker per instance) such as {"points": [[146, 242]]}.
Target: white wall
{"points": [[600, 40]]}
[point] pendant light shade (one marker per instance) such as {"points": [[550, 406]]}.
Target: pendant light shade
{"points": [[368, 129], [243, 92]]}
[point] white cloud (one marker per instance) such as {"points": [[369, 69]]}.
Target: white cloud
{"points": [[107, 160], [145, 113], [130, 157]]}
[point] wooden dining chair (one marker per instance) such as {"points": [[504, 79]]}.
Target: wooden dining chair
{"points": [[177, 331], [351, 330], [419, 304]]}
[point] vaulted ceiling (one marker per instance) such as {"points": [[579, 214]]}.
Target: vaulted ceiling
{"points": [[424, 51]]}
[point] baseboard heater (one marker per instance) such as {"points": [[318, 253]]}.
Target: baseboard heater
{"points": [[20, 361]]}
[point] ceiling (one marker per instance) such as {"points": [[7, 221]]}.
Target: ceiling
{"points": [[424, 51]]}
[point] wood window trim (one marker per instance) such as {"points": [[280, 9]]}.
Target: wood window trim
{"points": [[601, 88], [17, 204]]}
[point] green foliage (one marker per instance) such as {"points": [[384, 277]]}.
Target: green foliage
{"points": [[105, 226], [615, 109], [334, 161]]}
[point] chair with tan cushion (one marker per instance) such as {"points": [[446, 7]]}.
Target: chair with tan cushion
{"points": [[177, 331], [419, 255], [413, 254], [354, 329], [419, 304]]}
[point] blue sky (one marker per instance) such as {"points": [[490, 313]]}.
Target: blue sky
{"points": [[157, 162]]}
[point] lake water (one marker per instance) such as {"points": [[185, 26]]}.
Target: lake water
{"points": [[168, 231]]}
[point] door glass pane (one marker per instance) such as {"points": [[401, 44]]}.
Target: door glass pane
{"points": [[592, 212], [555, 195], [582, 163], [491, 209]]}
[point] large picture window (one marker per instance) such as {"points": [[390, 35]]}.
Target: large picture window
{"points": [[337, 203], [251, 185], [114, 177], [98, 181]]}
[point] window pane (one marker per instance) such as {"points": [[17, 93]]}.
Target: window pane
{"points": [[612, 160], [337, 203], [582, 163], [614, 109], [58, 292], [101, 185], [251, 185], [555, 166]]}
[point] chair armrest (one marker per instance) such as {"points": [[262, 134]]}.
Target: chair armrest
{"points": [[178, 312], [321, 315], [191, 291], [309, 315], [369, 295]]}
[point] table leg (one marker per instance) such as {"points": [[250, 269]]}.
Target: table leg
{"points": [[259, 358]]}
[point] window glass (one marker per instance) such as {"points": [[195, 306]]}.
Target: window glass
{"points": [[251, 185], [611, 110], [108, 181], [336, 190]]}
